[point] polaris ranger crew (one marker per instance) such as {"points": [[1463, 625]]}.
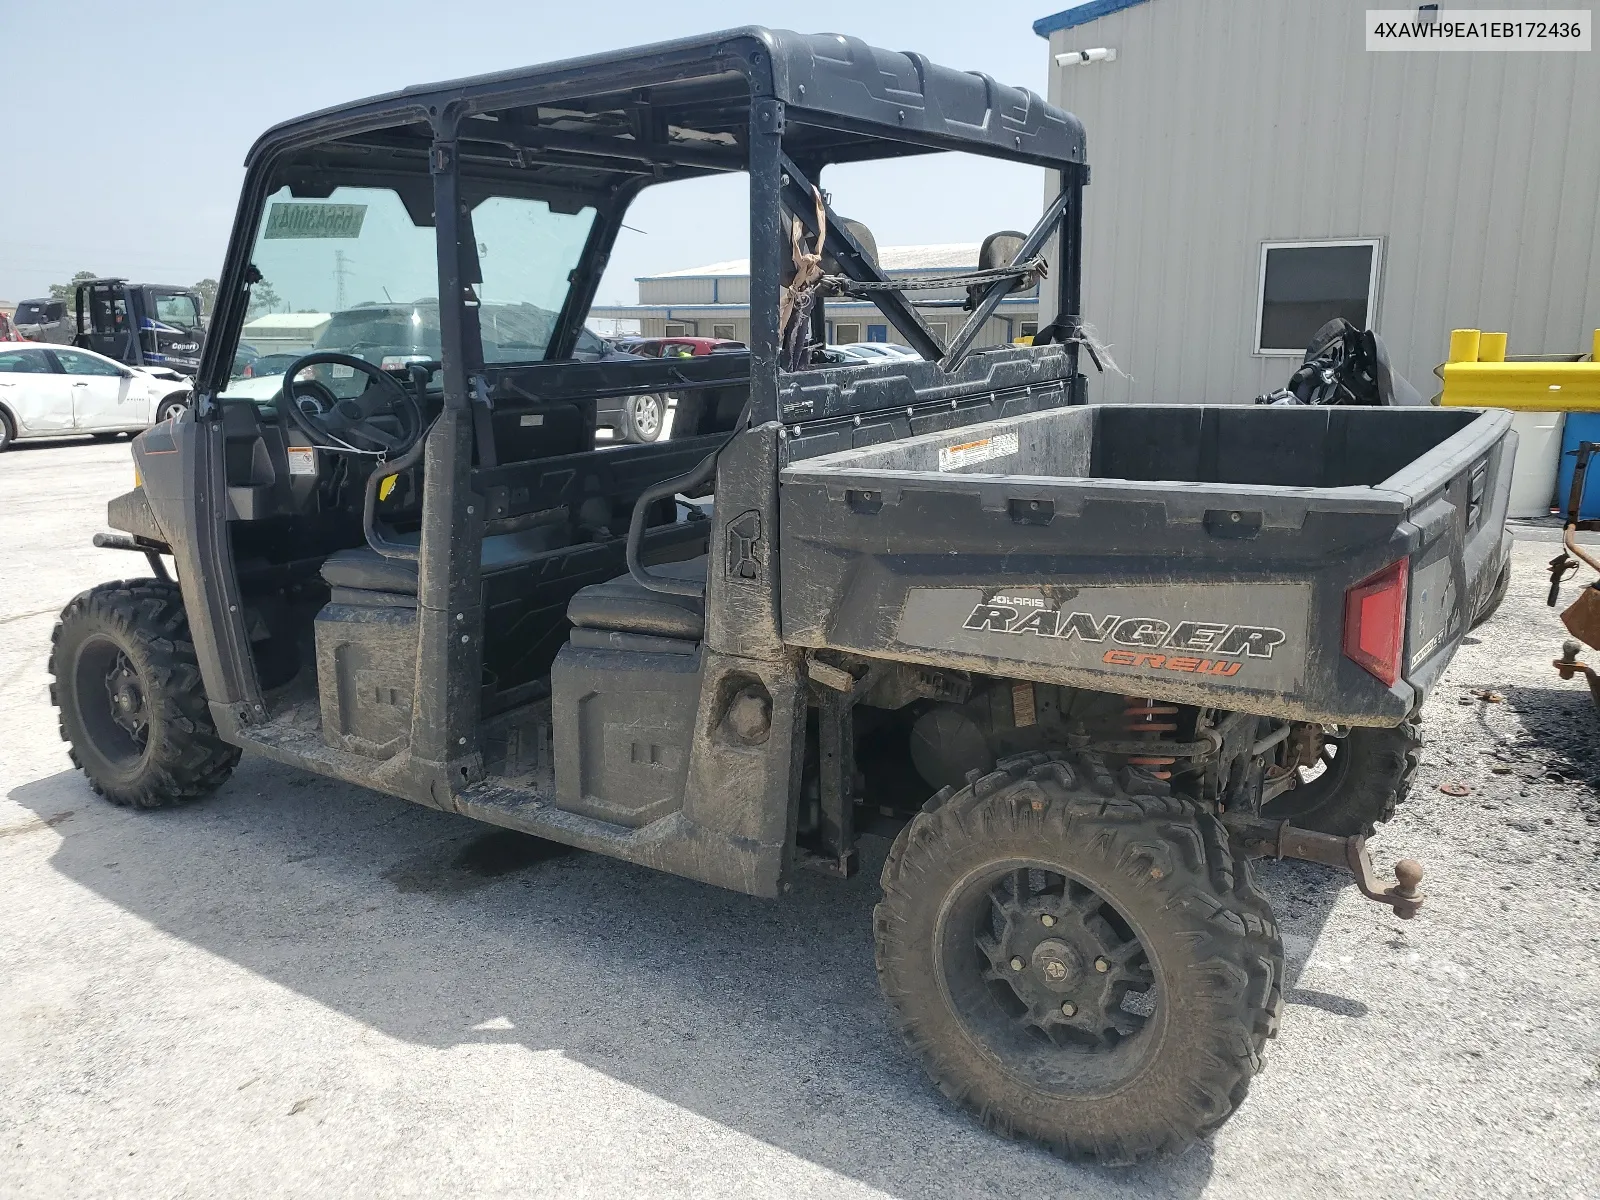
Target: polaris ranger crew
{"points": [[1078, 663]]}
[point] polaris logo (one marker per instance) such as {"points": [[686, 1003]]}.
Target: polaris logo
{"points": [[1028, 616]]}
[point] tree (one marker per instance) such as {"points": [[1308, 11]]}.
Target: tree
{"points": [[64, 291], [263, 299], [208, 295]]}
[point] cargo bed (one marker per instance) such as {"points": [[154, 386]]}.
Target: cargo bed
{"points": [[1204, 555]]}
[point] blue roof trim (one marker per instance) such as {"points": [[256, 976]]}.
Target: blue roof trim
{"points": [[1080, 14]]}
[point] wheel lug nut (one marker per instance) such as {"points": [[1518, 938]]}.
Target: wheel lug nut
{"points": [[1102, 965], [1017, 964], [1046, 920], [1069, 1009]]}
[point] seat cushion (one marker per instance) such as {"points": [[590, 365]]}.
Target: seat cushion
{"points": [[622, 605], [365, 569]]}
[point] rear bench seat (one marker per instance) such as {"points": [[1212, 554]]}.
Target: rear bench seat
{"points": [[622, 606], [356, 574]]}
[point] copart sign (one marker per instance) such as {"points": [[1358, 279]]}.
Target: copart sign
{"points": [[1250, 635]]}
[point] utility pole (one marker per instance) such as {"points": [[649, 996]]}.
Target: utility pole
{"points": [[341, 268]]}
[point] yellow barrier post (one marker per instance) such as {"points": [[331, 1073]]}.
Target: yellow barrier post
{"points": [[1464, 345], [1477, 376]]}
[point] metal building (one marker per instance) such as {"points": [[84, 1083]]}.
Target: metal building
{"points": [[1257, 170], [714, 301]]}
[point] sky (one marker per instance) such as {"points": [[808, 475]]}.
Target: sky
{"points": [[127, 127]]}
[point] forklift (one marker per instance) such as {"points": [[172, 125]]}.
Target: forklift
{"points": [[140, 324], [1078, 664]]}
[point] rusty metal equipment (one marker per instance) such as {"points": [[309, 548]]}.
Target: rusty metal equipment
{"points": [[1261, 838], [1568, 665], [1582, 616]]}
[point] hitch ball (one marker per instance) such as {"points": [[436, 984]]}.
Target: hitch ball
{"points": [[749, 715]]}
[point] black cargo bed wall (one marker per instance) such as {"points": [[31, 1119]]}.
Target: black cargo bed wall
{"points": [[1276, 447], [1269, 447]]}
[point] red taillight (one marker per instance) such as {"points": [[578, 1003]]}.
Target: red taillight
{"points": [[1375, 621]]}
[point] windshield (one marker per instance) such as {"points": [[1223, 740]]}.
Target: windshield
{"points": [[177, 308], [354, 273]]}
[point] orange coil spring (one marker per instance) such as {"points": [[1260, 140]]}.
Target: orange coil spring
{"points": [[1148, 719]]}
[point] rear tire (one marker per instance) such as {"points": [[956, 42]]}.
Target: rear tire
{"points": [[132, 707], [644, 417], [1370, 773], [8, 432], [1108, 895]]}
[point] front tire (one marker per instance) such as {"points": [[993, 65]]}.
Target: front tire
{"points": [[172, 406], [644, 417], [8, 432], [1078, 961], [1366, 774], [132, 707]]}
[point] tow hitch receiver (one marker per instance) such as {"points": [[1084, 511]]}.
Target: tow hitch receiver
{"points": [[1279, 839]]}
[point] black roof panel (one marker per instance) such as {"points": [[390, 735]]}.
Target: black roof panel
{"points": [[848, 94]]}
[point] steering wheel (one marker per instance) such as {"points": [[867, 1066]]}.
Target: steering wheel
{"points": [[348, 425]]}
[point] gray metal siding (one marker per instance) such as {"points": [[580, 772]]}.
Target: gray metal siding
{"points": [[1226, 123]]}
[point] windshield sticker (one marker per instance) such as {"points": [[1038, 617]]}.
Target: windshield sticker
{"points": [[291, 220], [965, 454]]}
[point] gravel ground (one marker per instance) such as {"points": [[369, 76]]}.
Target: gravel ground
{"points": [[298, 987]]}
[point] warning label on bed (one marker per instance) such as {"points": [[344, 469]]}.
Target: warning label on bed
{"points": [[953, 458]]}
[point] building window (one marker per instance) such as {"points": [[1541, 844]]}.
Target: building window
{"points": [[940, 330], [877, 333], [1304, 285], [677, 329], [726, 332], [845, 333], [1029, 329]]}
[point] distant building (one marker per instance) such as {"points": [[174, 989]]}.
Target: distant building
{"points": [[714, 301], [285, 333], [1257, 171]]}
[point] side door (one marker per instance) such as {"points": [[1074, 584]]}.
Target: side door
{"points": [[170, 331], [101, 392], [34, 392]]}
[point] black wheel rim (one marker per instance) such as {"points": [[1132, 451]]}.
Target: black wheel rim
{"points": [[1318, 779], [113, 703], [1049, 977]]}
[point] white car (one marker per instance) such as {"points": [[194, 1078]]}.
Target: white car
{"points": [[55, 391]]}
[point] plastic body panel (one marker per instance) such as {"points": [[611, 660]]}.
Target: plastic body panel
{"points": [[366, 672], [624, 721], [1221, 540]]}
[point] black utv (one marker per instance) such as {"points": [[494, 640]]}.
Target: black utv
{"points": [[1079, 663]]}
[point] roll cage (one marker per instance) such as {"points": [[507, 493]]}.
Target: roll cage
{"points": [[595, 132]]}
